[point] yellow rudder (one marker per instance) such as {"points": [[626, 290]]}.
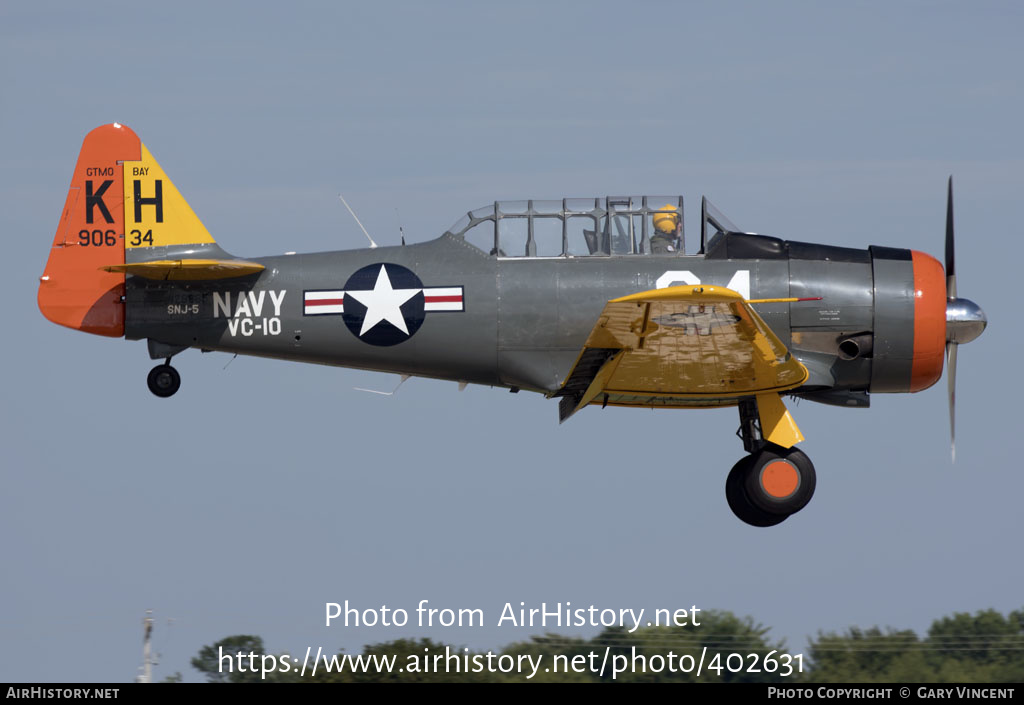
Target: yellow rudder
{"points": [[155, 213]]}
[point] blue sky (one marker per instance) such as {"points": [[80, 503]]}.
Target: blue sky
{"points": [[266, 489]]}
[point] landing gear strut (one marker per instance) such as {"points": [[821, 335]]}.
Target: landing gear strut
{"points": [[772, 482], [163, 379]]}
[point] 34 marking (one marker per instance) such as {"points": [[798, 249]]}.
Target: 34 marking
{"points": [[138, 238]]}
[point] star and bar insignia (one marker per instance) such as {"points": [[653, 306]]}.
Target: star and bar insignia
{"points": [[383, 304]]}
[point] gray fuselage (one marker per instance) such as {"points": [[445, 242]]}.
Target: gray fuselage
{"points": [[525, 319]]}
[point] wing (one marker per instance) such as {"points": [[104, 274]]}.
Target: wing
{"points": [[188, 269], [683, 346]]}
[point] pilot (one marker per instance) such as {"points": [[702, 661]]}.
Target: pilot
{"points": [[667, 228]]}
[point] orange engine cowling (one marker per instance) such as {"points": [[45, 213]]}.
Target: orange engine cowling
{"points": [[73, 290], [909, 320], [929, 321]]}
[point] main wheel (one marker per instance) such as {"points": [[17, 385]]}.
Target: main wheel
{"points": [[780, 481], [163, 380], [740, 504]]}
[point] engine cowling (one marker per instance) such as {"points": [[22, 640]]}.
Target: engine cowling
{"points": [[910, 320]]}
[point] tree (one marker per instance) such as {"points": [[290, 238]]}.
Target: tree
{"points": [[667, 654], [221, 665], [411, 661], [547, 647], [986, 647], [982, 648], [866, 656], [732, 648]]}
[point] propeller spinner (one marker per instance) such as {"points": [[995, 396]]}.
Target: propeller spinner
{"points": [[965, 320]]}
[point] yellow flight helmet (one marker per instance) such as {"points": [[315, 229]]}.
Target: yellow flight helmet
{"points": [[666, 220]]}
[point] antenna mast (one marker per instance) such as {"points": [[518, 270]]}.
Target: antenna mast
{"points": [[146, 676], [372, 243]]}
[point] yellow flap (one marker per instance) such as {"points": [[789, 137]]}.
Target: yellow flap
{"points": [[680, 346], [188, 269]]}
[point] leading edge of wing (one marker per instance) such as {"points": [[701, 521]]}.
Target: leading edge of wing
{"points": [[680, 346]]}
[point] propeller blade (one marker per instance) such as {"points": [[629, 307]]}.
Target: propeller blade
{"points": [[951, 383], [950, 254]]}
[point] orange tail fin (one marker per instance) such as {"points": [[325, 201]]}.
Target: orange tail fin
{"points": [[74, 291]]}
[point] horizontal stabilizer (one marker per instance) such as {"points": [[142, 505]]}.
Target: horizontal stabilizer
{"points": [[188, 269]]}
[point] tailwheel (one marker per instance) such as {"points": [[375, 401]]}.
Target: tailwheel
{"points": [[740, 503], [163, 380]]}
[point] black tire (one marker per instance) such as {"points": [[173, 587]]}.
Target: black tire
{"points": [[738, 501], [797, 472], [163, 380]]}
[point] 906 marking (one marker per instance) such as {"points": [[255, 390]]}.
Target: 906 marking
{"points": [[97, 238]]}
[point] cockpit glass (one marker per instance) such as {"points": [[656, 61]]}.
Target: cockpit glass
{"points": [[460, 225], [514, 207], [485, 212], [577, 227], [714, 225]]}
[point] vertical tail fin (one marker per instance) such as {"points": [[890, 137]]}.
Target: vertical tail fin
{"points": [[121, 207]]}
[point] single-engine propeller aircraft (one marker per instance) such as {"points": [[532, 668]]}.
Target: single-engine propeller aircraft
{"points": [[591, 301]]}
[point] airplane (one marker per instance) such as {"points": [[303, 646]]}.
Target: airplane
{"points": [[596, 301]]}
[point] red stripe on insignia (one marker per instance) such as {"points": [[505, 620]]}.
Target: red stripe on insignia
{"points": [[325, 302], [442, 299]]}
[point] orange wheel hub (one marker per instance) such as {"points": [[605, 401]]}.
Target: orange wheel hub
{"points": [[780, 479]]}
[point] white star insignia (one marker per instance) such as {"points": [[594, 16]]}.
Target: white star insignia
{"points": [[383, 303]]}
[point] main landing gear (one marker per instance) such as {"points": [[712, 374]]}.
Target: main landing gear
{"points": [[773, 482], [163, 379]]}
